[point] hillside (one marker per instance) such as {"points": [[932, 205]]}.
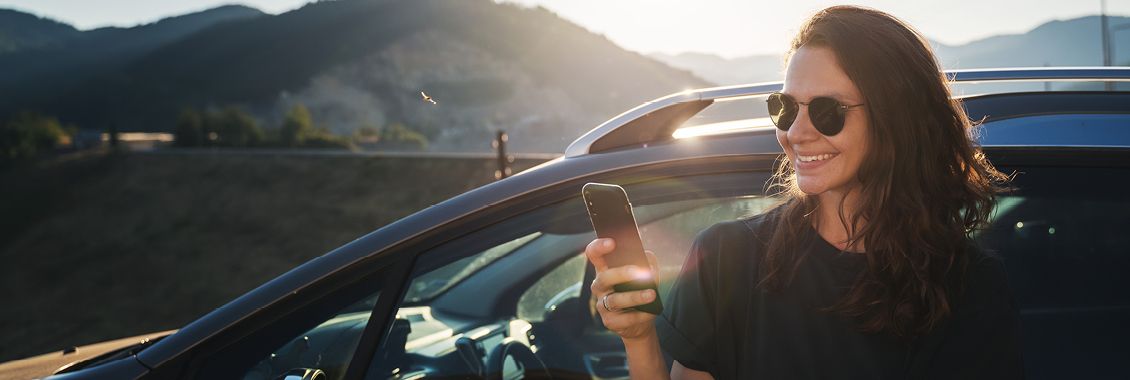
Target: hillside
{"points": [[1075, 42], [364, 62], [21, 31], [104, 247]]}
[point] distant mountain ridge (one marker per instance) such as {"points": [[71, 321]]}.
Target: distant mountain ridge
{"points": [[34, 73], [722, 71], [364, 62], [21, 31], [1075, 42]]}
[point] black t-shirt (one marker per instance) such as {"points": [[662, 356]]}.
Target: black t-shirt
{"points": [[717, 320]]}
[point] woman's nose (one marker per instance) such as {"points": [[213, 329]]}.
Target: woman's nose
{"points": [[802, 129]]}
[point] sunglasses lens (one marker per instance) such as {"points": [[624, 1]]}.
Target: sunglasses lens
{"points": [[782, 110], [826, 115]]}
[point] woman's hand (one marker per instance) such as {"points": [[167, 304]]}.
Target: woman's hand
{"points": [[614, 307]]}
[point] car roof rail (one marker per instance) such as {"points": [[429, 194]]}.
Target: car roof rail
{"points": [[658, 119]]}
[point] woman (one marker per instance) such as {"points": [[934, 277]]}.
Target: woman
{"points": [[866, 269]]}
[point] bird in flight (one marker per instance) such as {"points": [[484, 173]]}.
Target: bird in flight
{"points": [[427, 98]]}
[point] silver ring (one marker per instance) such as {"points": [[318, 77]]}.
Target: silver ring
{"points": [[604, 301]]}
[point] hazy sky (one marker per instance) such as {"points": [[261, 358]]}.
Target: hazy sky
{"points": [[726, 27]]}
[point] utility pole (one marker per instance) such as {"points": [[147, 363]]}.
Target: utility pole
{"points": [[503, 159], [1109, 86]]}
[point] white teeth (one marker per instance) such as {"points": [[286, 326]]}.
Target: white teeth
{"points": [[815, 158]]}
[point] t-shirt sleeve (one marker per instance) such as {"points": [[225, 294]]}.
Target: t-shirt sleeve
{"points": [[687, 328], [983, 339]]}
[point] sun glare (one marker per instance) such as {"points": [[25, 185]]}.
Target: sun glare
{"points": [[722, 127]]}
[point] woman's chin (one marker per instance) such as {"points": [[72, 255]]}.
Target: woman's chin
{"points": [[811, 187]]}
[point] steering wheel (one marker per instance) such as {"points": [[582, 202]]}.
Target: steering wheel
{"points": [[528, 363]]}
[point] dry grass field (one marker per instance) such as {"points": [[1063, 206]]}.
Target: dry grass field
{"points": [[111, 245]]}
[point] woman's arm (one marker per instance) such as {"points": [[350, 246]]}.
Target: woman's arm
{"points": [[678, 372], [645, 359]]}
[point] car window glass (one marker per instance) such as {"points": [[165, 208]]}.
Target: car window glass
{"points": [[560, 284], [430, 284], [320, 336], [327, 347], [526, 309], [669, 237], [1062, 237], [1063, 248]]}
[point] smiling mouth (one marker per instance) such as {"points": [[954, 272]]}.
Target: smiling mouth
{"points": [[815, 158]]}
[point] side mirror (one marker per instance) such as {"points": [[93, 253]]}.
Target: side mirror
{"points": [[303, 374]]}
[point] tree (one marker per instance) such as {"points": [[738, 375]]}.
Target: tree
{"points": [[26, 133], [234, 128], [297, 126], [367, 134], [190, 130], [397, 135]]}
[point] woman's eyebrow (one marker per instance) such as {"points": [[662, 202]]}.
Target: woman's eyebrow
{"points": [[828, 94], [835, 95]]}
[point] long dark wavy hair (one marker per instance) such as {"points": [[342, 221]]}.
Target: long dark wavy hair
{"points": [[925, 186]]}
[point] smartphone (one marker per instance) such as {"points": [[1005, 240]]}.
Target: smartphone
{"points": [[611, 216]]}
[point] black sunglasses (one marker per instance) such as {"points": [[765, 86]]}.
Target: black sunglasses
{"points": [[827, 114]]}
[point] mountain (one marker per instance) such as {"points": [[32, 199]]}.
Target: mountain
{"points": [[1075, 42], [751, 69], [352, 63], [22, 31], [38, 69]]}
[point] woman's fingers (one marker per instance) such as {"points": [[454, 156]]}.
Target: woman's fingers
{"points": [[608, 278], [619, 321], [596, 250], [621, 301], [615, 308]]}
